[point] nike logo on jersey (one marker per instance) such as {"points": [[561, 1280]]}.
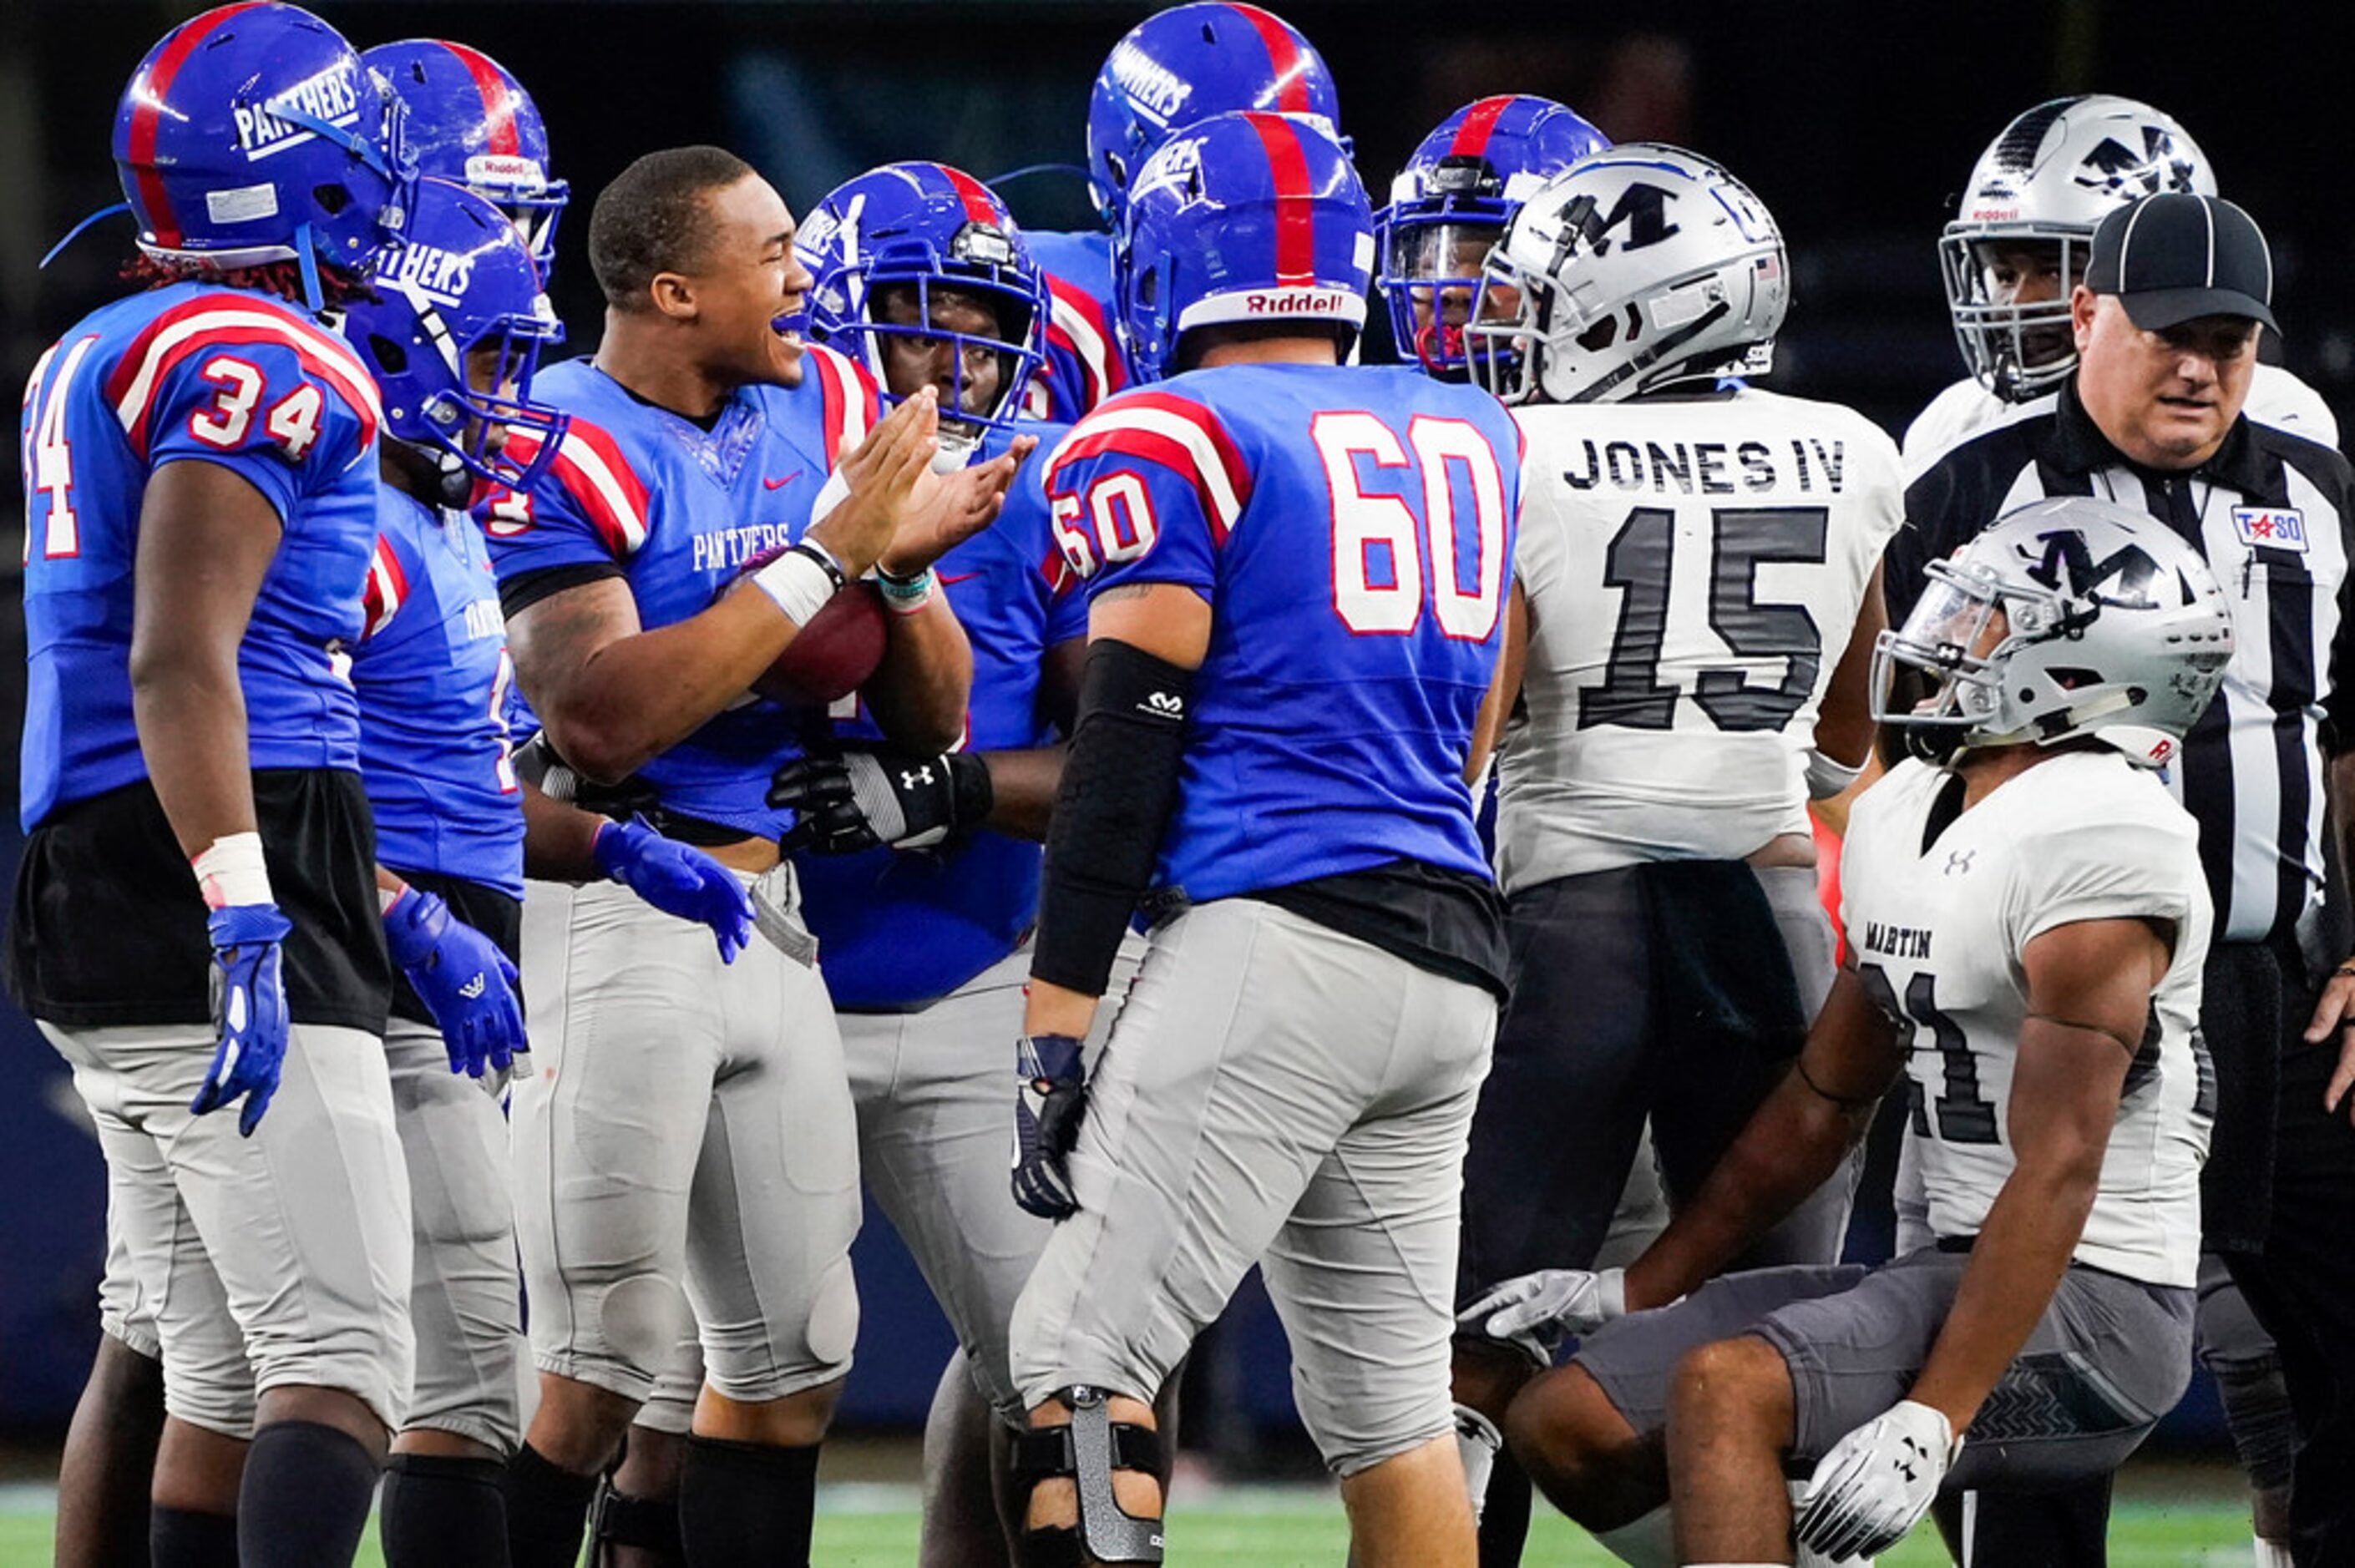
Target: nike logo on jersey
{"points": [[949, 579], [768, 483]]}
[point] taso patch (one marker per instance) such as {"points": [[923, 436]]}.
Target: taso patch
{"points": [[2270, 527]]}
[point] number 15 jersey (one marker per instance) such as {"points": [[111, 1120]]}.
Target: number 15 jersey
{"points": [[1694, 567], [1351, 530]]}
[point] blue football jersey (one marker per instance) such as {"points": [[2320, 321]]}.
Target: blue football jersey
{"points": [[1084, 363], [434, 677], [680, 511], [226, 375], [1352, 531], [898, 930]]}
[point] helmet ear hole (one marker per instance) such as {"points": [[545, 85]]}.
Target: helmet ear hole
{"points": [[332, 199], [391, 356], [1600, 336]]}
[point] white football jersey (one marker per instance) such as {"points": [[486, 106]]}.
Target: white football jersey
{"points": [[1694, 569], [2276, 398], [1938, 936]]}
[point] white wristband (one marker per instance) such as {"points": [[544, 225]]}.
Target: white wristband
{"points": [[232, 873], [799, 585], [1828, 776]]}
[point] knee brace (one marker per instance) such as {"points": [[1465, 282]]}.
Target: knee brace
{"points": [[1086, 1453]]}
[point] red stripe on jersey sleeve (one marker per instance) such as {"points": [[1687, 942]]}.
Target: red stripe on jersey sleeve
{"points": [[601, 485], [321, 356], [1230, 456], [386, 589]]}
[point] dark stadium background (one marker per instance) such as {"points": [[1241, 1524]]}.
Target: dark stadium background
{"points": [[1855, 122]]}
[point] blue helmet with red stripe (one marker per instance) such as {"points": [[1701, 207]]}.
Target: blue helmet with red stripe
{"points": [[1243, 218], [252, 134], [1186, 64], [470, 122], [457, 285], [893, 254], [1452, 202]]}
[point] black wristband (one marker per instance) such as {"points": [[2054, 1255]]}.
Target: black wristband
{"points": [[974, 792], [1119, 788], [815, 552]]}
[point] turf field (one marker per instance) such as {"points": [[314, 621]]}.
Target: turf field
{"points": [[1268, 1527]]}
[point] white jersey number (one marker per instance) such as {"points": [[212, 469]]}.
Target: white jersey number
{"points": [[1640, 561], [1384, 594]]}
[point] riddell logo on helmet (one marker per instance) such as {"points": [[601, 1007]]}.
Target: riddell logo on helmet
{"points": [[1994, 214], [504, 169], [1294, 302], [328, 96]]}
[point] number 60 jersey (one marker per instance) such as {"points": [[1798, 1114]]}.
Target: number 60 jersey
{"points": [[1351, 530], [1694, 566]]}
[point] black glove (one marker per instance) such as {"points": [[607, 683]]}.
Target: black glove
{"points": [[1050, 1101], [861, 799]]}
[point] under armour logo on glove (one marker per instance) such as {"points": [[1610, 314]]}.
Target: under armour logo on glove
{"points": [[909, 780], [864, 798], [1877, 1482]]}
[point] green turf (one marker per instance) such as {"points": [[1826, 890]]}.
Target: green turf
{"points": [[2143, 1535]]}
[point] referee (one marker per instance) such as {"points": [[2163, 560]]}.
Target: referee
{"points": [[2165, 323]]}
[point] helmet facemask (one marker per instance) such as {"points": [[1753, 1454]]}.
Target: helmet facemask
{"points": [[2018, 351]]}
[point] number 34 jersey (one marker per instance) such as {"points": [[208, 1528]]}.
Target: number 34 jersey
{"points": [[1940, 926], [1694, 567], [1351, 530]]}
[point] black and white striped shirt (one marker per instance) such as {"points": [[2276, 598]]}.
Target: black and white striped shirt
{"points": [[2271, 511]]}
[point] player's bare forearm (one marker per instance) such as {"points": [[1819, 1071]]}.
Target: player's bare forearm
{"points": [[1022, 789], [559, 840], [2022, 1250], [1790, 1146], [206, 539], [613, 695], [1051, 1008], [918, 694], [2089, 987]]}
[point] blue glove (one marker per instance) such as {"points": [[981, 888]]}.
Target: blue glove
{"points": [[466, 982], [1049, 1106], [678, 880], [248, 1001]]}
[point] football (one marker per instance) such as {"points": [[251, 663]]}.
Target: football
{"points": [[830, 656]]}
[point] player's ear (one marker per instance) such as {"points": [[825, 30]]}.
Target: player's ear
{"points": [[673, 295]]}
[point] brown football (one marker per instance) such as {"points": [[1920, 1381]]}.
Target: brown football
{"points": [[828, 658]]}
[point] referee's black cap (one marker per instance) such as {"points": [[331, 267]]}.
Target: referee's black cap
{"points": [[2173, 257]]}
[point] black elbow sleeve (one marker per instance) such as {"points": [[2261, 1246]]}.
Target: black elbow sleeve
{"points": [[1119, 788]]}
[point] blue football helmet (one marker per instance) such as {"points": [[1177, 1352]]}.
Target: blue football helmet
{"points": [[1452, 202], [922, 227], [459, 281], [470, 122], [252, 133], [1243, 218], [1186, 64]]}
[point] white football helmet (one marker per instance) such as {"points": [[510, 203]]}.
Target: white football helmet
{"points": [[2114, 627], [2050, 179], [1635, 266]]}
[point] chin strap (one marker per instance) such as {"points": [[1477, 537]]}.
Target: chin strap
{"points": [[76, 231]]}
